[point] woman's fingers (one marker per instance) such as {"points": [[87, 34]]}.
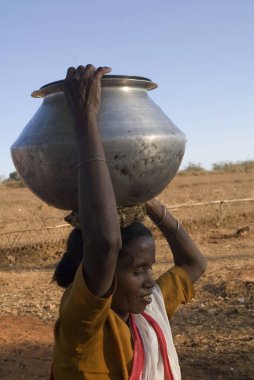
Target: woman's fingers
{"points": [[90, 67], [70, 72], [85, 72], [69, 76], [101, 71]]}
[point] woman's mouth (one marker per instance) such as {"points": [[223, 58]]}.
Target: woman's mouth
{"points": [[147, 299]]}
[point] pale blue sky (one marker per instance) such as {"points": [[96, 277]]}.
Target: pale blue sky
{"points": [[200, 52]]}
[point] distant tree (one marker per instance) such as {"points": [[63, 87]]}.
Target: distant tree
{"points": [[194, 167], [14, 176], [238, 166], [14, 180]]}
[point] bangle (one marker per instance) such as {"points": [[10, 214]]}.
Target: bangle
{"points": [[175, 232], [90, 160], [164, 211]]}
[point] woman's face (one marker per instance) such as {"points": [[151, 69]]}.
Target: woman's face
{"points": [[134, 277]]}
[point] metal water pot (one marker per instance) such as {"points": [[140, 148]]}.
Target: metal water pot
{"points": [[143, 147]]}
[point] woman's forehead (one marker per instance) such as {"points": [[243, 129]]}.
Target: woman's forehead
{"points": [[143, 259], [140, 251]]}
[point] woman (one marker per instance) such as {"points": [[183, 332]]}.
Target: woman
{"points": [[113, 318]]}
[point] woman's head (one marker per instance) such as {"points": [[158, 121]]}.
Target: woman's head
{"points": [[132, 236], [134, 280]]}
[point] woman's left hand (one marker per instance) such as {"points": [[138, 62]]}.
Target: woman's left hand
{"points": [[82, 87]]}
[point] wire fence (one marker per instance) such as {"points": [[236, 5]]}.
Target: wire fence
{"points": [[51, 236], [216, 212], [56, 235]]}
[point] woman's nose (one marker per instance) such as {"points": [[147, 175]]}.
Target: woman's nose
{"points": [[149, 281]]}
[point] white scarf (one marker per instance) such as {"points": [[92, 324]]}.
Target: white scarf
{"points": [[153, 366]]}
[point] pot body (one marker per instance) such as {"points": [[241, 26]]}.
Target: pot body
{"points": [[142, 146]]}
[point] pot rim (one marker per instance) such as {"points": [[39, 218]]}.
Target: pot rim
{"points": [[106, 81]]}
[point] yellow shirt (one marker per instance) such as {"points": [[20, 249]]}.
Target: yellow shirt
{"points": [[91, 341]]}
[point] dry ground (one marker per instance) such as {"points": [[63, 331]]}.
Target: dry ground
{"points": [[214, 334]]}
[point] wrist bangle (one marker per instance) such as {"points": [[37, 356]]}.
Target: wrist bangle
{"points": [[164, 211], [90, 160], [176, 230]]}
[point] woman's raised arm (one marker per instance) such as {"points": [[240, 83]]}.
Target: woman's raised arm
{"points": [[185, 252], [97, 205]]}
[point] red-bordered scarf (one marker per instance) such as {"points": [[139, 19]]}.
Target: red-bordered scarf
{"points": [[139, 352]]}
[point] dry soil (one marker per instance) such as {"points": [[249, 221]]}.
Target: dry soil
{"points": [[214, 334]]}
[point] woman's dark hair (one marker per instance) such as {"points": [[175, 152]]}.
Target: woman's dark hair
{"points": [[66, 268], [71, 259], [133, 231]]}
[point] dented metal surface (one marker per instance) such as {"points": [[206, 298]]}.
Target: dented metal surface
{"points": [[143, 147]]}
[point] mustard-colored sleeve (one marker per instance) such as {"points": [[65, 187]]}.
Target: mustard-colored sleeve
{"points": [[81, 313], [176, 288]]}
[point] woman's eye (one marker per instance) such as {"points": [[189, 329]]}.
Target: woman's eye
{"points": [[143, 270], [139, 271]]}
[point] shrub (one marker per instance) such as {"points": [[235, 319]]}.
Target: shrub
{"points": [[239, 166], [193, 168], [13, 181]]}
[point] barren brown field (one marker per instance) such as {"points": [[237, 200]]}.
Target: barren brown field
{"points": [[214, 334]]}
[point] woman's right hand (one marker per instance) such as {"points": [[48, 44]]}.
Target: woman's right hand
{"points": [[82, 87]]}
